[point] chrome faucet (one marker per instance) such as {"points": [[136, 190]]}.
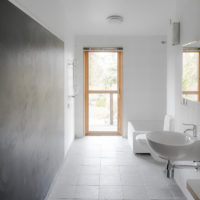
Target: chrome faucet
{"points": [[193, 129]]}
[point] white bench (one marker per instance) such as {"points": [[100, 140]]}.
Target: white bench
{"points": [[137, 130]]}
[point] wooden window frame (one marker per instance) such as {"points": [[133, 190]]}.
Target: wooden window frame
{"points": [[194, 92], [86, 95]]}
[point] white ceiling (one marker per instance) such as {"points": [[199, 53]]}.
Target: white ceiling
{"points": [[141, 17], [87, 17], [49, 13]]}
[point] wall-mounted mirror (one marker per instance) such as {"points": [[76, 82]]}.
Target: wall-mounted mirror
{"points": [[191, 71]]}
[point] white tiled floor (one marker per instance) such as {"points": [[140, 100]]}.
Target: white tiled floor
{"points": [[105, 168]]}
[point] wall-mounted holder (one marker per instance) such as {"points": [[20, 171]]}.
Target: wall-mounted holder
{"points": [[176, 33], [184, 101], [71, 65]]}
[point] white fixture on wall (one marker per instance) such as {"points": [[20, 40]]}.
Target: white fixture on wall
{"points": [[184, 101], [115, 19], [73, 91], [175, 33]]}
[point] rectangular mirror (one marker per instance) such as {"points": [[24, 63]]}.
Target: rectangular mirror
{"points": [[191, 71]]}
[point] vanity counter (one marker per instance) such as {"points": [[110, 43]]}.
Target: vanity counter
{"points": [[193, 186]]}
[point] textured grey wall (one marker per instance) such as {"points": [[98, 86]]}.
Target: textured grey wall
{"points": [[31, 106]]}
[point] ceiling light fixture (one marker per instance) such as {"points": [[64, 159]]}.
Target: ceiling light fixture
{"points": [[115, 19]]}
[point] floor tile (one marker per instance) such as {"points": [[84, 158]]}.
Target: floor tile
{"points": [[110, 180], [130, 180], [62, 191], [155, 181], [91, 161], [106, 168], [68, 180], [134, 192], [155, 192], [88, 180], [88, 169], [177, 193], [86, 192], [110, 170], [110, 192], [109, 161]]}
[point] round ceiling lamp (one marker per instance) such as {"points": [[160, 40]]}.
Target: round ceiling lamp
{"points": [[115, 19]]}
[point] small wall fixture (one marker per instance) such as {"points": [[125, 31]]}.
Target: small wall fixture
{"points": [[115, 19], [175, 33]]}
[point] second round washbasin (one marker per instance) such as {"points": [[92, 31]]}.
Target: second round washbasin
{"points": [[174, 146]]}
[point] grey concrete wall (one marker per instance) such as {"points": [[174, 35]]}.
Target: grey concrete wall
{"points": [[31, 106]]}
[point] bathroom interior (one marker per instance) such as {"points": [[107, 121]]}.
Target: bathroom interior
{"points": [[99, 99]]}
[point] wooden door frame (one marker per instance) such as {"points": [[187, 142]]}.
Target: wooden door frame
{"points": [[86, 92]]}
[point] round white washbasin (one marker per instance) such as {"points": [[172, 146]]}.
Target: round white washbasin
{"points": [[174, 145]]}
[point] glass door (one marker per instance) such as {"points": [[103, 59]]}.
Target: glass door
{"points": [[103, 85]]}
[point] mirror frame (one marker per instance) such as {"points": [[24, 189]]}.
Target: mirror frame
{"points": [[191, 47]]}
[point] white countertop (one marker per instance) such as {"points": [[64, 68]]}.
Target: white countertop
{"points": [[193, 185]]}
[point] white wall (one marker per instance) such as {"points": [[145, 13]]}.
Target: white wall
{"points": [[144, 77], [188, 13], [69, 100]]}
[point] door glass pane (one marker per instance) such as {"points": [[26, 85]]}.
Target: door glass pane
{"points": [[190, 71], [103, 112], [103, 70]]}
